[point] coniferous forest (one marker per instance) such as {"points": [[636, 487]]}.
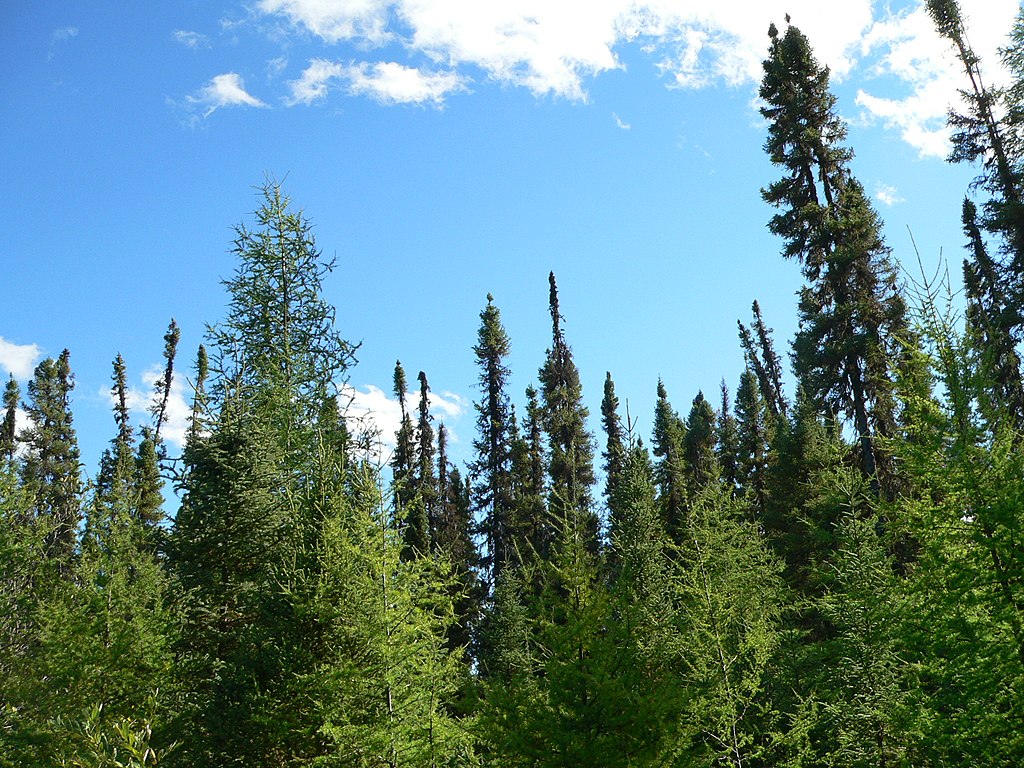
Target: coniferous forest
{"points": [[824, 573]]}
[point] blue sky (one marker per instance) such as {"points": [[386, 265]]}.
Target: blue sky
{"points": [[443, 149]]}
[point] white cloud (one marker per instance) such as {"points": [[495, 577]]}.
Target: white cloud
{"points": [[551, 47], [276, 66], [315, 81], [915, 54], [620, 123], [19, 360], [888, 195], [191, 40], [373, 412], [225, 90], [140, 399], [335, 20], [392, 83]]}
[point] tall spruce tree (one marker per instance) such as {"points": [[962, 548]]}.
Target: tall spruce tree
{"points": [[852, 318], [9, 427], [492, 463], [571, 460], [404, 457], [614, 452]]}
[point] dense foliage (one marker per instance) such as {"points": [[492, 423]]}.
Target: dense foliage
{"points": [[828, 577]]}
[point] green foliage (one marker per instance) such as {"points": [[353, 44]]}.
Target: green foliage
{"points": [[381, 689], [571, 457]]}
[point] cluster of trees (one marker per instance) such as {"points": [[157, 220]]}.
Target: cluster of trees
{"points": [[827, 577]]}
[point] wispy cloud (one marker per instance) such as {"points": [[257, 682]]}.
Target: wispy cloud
{"points": [[620, 123], [60, 36], [314, 82], [227, 90], [190, 39], [912, 52], [392, 83], [888, 195], [18, 360]]}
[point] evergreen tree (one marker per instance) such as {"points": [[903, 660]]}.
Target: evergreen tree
{"points": [[852, 319], [988, 133], [571, 459], [752, 441], [8, 429], [614, 452], [492, 464], [702, 467], [763, 361], [423, 486], [403, 460], [453, 540], [988, 323], [668, 439], [727, 450], [51, 470], [529, 484]]}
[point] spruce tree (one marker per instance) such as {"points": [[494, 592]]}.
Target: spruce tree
{"points": [[51, 468], [614, 452], [529, 484], [403, 459], [988, 133], [763, 361], [669, 472], [852, 318], [420, 510], [8, 429], [492, 462], [752, 439], [702, 467], [571, 459], [727, 449]]}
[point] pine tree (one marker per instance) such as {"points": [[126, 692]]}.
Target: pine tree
{"points": [[51, 470], [852, 319], [571, 459], [492, 463]]}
